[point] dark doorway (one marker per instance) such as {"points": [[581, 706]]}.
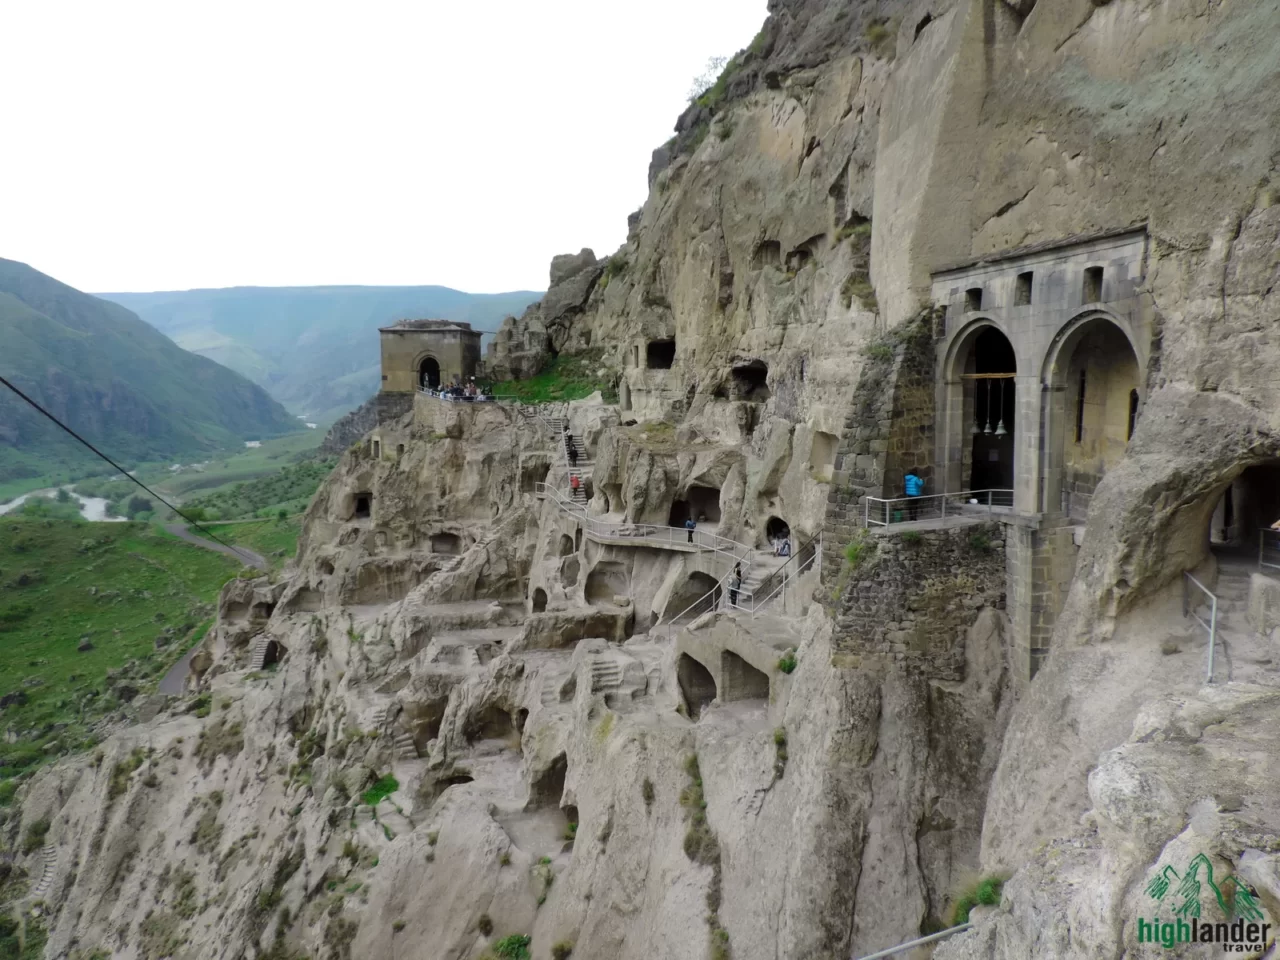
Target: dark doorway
{"points": [[994, 402], [429, 374], [697, 686], [751, 381], [363, 505], [539, 600], [660, 354]]}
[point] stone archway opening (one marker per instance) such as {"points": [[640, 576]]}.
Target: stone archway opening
{"points": [[363, 506], [699, 594], [701, 503], [990, 403], [1096, 401], [539, 600], [1249, 505], [697, 686], [429, 373], [776, 529], [741, 680]]}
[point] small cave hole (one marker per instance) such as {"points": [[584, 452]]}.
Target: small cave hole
{"points": [[973, 299], [447, 543], [364, 503], [263, 610], [539, 600], [660, 354], [522, 717], [566, 545], [751, 381], [924, 22], [546, 788]]}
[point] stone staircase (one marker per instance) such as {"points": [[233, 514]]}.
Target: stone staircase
{"points": [[1238, 647], [48, 867], [403, 746], [606, 674], [581, 466], [258, 655]]}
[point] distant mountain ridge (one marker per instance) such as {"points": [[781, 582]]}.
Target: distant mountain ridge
{"points": [[315, 349], [114, 379]]}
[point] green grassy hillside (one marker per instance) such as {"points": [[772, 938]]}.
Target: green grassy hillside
{"points": [[112, 378], [136, 596], [315, 349]]}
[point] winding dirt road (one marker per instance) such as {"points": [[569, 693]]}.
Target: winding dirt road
{"points": [[243, 554]]}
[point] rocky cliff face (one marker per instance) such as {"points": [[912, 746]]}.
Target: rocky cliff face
{"points": [[465, 712]]}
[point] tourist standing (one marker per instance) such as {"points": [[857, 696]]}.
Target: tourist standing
{"points": [[914, 487], [689, 526]]}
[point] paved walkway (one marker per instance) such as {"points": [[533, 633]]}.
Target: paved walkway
{"points": [[174, 681], [243, 554]]}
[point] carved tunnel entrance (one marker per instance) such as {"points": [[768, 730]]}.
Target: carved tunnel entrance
{"points": [[741, 680], [697, 686]]}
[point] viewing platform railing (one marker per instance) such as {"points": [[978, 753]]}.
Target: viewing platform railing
{"points": [[1194, 596], [646, 534], [879, 512]]}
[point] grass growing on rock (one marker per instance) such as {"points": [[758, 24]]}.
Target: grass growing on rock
{"points": [[983, 892], [567, 377], [131, 596], [515, 946], [383, 788], [702, 846]]}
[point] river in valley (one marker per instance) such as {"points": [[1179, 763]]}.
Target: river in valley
{"points": [[91, 508]]}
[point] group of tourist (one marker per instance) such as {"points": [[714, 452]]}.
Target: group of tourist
{"points": [[456, 390]]}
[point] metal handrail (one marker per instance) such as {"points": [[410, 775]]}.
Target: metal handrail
{"points": [[919, 942], [796, 572], [813, 543], [657, 533], [1189, 610], [935, 503], [1268, 548]]}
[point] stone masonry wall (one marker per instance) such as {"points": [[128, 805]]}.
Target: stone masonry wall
{"points": [[914, 595], [889, 428]]}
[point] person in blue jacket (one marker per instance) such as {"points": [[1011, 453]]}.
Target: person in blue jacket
{"points": [[914, 488]]}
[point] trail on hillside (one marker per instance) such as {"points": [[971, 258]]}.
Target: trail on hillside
{"points": [[243, 554]]}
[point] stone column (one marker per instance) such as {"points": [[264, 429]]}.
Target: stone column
{"points": [[1026, 446]]}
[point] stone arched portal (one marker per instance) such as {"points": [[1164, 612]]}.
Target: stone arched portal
{"points": [[429, 373], [980, 411], [1092, 388]]}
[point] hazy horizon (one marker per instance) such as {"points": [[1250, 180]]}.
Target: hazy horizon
{"points": [[165, 149]]}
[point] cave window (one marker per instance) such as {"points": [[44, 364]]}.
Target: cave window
{"points": [[271, 655], [1080, 409], [1133, 414], [1022, 289], [661, 354], [539, 600], [635, 350], [363, 503], [751, 381], [449, 543], [1092, 285], [377, 449], [399, 449], [973, 298], [624, 394], [566, 545]]}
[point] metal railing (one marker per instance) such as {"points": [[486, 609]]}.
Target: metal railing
{"points": [[1268, 549], [919, 942], [879, 512], [1194, 595], [645, 534], [773, 586], [450, 398]]}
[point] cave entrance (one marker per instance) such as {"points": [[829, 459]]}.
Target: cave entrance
{"points": [[1245, 510], [539, 600], [1094, 404], [701, 503], [429, 373], [566, 547], [741, 681], [660, 354], [607, 580], [447, 543], [271, 655], [777, 530], [991, 397], [699, 594], [547, 787], [751, 381], [363, 506], [697, 686]]}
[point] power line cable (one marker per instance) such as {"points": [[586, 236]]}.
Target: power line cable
{"points": [[127, 474]]}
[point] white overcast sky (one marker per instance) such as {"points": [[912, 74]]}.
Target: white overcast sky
{"points": [[170, 145]]}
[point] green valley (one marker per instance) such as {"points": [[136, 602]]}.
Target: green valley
{"points": [[91, 616]]}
